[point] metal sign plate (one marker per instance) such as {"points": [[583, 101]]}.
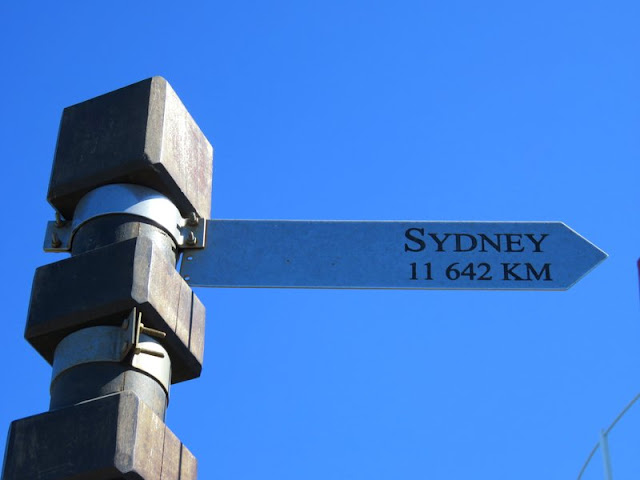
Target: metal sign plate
{"points": [[394, 254]]}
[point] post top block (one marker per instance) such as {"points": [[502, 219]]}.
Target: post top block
{"points": [[140, 134], [156, 81]]}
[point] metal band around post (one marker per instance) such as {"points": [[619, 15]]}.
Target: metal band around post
{"points": [[132, 200], [128, 199], [106, 344]]}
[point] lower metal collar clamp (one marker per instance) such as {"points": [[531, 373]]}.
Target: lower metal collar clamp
{"points": [[132, 343]]}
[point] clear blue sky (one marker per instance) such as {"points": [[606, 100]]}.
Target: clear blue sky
{"points": [[379, 110]]}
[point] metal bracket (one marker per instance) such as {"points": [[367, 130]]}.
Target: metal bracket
{"points": [[193, 231], [131, 343], [58, 235], [188, 233], [133, 327]]}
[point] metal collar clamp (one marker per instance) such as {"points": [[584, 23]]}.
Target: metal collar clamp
{"points": [[122, 198], [132, 343]]}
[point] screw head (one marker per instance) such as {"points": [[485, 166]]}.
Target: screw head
{"points": [[193, 219], [191, 239], [55, 240]]}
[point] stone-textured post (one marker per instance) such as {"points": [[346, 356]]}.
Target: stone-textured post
{"points": [[131, 182]]}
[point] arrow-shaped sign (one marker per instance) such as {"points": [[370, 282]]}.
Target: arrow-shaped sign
{"points": [[395, 254]]}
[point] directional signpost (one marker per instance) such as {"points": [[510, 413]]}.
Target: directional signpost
{"points": [[131, 185], [403, 254]]}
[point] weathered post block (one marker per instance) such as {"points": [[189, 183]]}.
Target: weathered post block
{"points": [[141, 134], [114, 437], [100, 287]]}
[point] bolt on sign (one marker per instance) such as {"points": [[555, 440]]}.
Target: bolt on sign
{"points": [[392, 254]]}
